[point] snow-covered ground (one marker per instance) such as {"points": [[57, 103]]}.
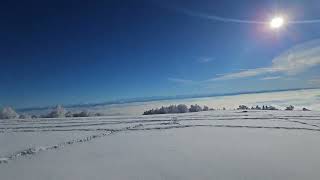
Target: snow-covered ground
{"points": [[204, 145]]}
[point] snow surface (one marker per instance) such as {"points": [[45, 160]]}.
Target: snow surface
{"points": [[203, 145]]}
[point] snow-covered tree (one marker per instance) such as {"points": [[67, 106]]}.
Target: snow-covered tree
{"points": [[195, 108], [182, 108], [58, 112], [205, 108], [8, 113]]}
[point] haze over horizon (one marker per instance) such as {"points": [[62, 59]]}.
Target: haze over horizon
{"points": [[176, 98], [69, 52]]}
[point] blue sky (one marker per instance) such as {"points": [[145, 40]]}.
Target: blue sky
{"points": [[67, 52]]}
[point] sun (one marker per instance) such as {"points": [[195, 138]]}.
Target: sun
{"points": [[276, 22]]}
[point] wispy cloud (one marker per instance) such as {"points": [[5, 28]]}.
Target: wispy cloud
{"points": [[244, 74], [286, 66], [294, 61], [236, 20], [271, 78], [205, 59], [180, 81]]}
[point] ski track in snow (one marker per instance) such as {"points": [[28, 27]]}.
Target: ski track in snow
{"points": [[105, 126]]}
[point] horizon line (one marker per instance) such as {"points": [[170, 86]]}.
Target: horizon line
{"points": [[159, 98]]}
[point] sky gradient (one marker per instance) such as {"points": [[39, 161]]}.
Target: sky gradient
{"points": [[76, 51]]}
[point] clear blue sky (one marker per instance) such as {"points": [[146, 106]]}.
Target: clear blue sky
{"points": [[76, 51]]}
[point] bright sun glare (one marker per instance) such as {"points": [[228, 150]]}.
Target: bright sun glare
{"points": [[276, 22]]}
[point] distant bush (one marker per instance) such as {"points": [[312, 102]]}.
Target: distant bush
{"points": [[98, 114], [290, 108], [34, 116], [69, 114], [8, 113], [305, 109], [82, 114], [256, 108], [269, 108], [24, 116], [242, 107]]}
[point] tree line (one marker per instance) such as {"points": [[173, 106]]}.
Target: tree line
{"points": [[182, 108], [57, 112], [173, 109], [265, 107], [60, 112]]}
